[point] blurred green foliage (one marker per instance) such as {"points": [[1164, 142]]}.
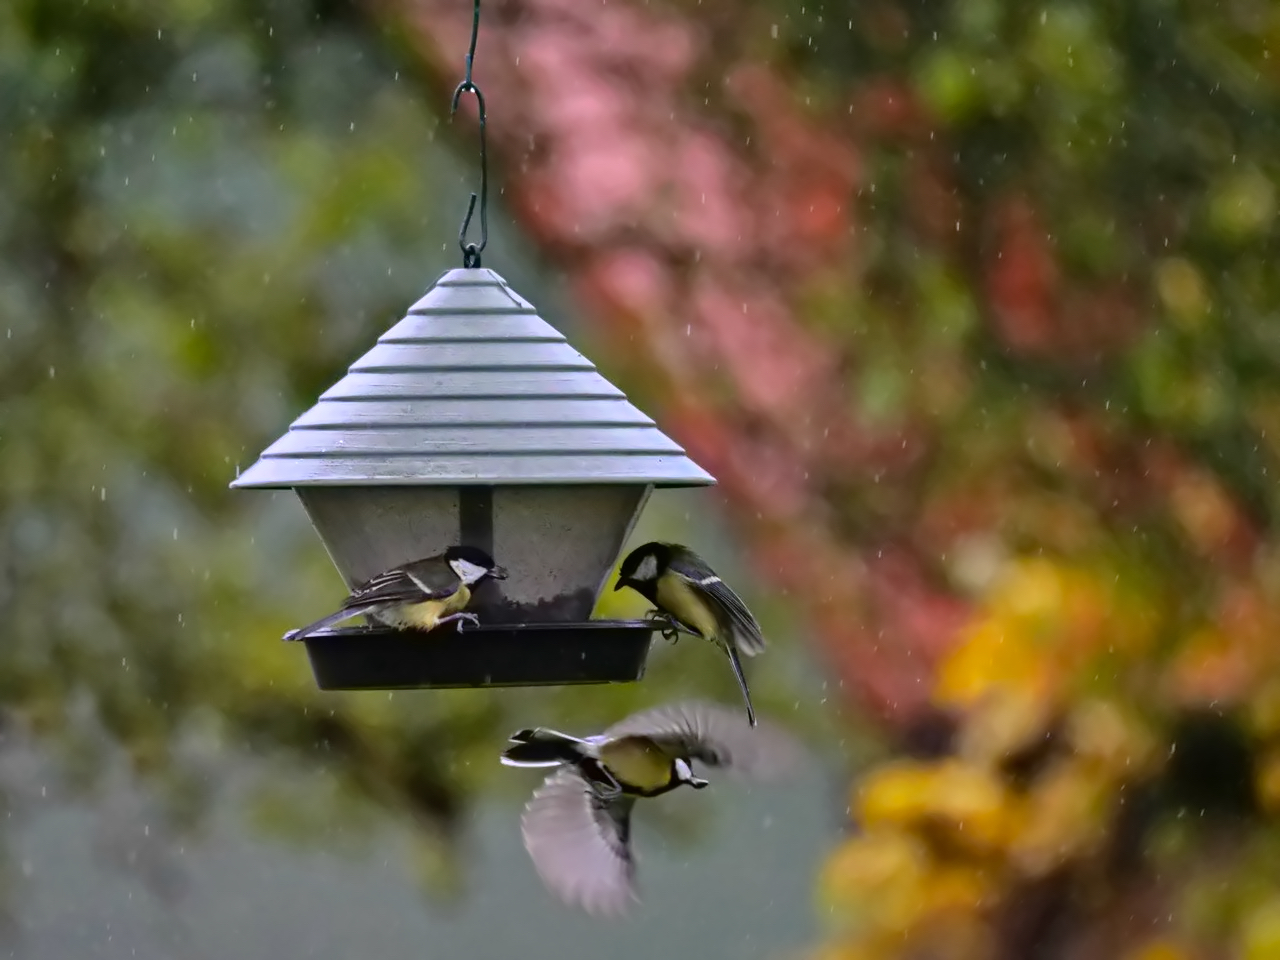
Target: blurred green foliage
{"points": [[206, 212], [1054, 285]]}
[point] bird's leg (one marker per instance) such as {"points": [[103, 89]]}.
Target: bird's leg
{"points": [[459, 618], [609, 788], [671, 631]]}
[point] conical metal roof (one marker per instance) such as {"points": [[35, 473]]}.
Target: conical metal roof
{"points": [[472, 386]]}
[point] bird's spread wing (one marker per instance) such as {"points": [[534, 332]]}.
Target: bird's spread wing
{"points": [[411, 583], [580, 845], [716, 736], [700, 577]]}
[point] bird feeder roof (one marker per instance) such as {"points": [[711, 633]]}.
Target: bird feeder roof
{"points": [[472, 387]]}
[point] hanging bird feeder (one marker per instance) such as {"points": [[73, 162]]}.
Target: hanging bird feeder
{"points": [[473, 421]]}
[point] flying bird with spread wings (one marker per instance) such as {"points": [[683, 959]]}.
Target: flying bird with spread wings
{"points": [[577, 825]]}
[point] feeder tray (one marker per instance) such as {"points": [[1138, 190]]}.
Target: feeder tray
{"points": [[490, 655], [473, 420]]}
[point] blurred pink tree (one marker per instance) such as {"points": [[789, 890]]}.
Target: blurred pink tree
{"points": [[970, 307]]}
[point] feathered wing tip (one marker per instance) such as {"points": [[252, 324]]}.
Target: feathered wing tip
{"points": [[719, 737], [744, 629], [337, 617], [747, 635], [580, 847], [736, 662]]}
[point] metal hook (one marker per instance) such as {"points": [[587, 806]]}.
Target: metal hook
{"points": [[470, 251]]}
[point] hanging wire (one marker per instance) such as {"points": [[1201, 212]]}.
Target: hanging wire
{"points": [[471, 251]]}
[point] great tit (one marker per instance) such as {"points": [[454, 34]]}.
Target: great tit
{"points": [[689, 595], [577, 825], [419, 595]]}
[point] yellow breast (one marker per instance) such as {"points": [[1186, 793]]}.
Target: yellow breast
{"points": [[679, 599], [637, 764], [426, 615]]}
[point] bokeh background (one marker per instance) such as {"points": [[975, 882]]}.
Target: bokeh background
{"points": [[972, 308]]}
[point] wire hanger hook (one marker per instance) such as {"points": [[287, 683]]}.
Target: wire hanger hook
{"points": [[471, 251]]}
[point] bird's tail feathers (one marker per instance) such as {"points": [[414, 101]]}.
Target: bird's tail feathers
{"points": [[346, 613], [736, 663], [540, 747]]}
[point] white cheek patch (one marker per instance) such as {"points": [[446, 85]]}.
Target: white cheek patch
{"points": [[683, 770], [648, 569], [468, 572]]}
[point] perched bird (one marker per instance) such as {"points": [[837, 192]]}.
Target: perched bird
{"points": [[689, 595], [421, 594], [577, 826]]}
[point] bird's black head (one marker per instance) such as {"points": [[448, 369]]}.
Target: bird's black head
{"points": [[642, 568], [472, 564]]}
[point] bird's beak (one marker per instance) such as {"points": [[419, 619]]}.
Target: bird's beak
{"points": [[698, 783], [498, 573]]}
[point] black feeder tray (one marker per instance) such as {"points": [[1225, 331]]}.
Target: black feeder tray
{"points": [[472, 420], [490, 655]]}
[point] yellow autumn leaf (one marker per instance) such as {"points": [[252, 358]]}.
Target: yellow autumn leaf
{"points": [[964, 888], [885, 884], [988, 657], [873, 882], [1066, 814], [1266, 781], [1157, 950], [1004, 722], [842, 951], [1103, 731], [968, 800], [1264, 710], [1260, 932], [1210, 667]]}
